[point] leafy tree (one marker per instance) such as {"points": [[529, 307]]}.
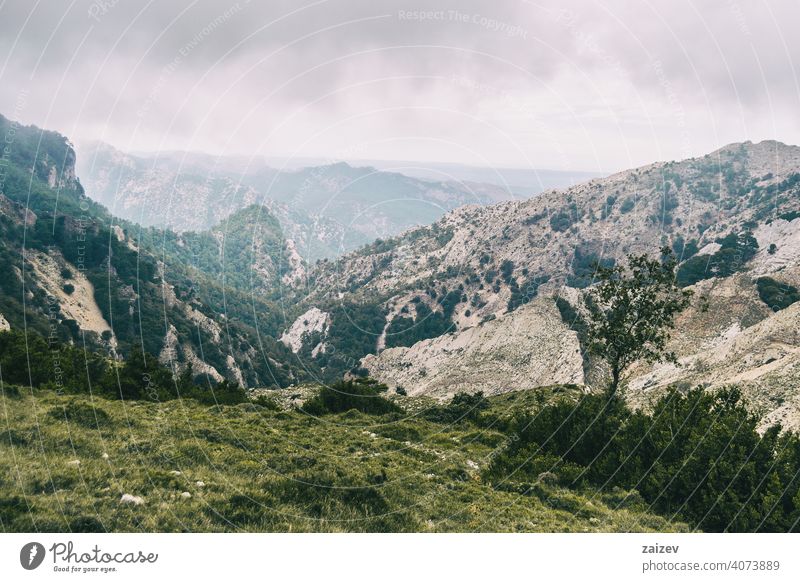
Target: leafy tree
{"points": [[632, 310], [141, 377]]}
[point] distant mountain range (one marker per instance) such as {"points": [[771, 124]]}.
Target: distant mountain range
{"points": [[522, 182], [326, 209]]}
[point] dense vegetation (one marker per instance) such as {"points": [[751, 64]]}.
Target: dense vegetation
{"points": [[405, 330], [523, 294], [355, 327], [133, 276], [27, 359], [585, 264], [550, 460], [775, 294], [696, 457], [363, 395], [232, 251], [736, 249]]}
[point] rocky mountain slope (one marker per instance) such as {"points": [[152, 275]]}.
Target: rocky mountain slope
{"points": [[732, 216], [485, 298], [75, 274], [533, 348]]}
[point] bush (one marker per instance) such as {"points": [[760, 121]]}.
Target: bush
{"points": [[86, 524], [775, 294], [697, 457], [406, 331], [585, 265], [266, 402], [462, 407], [81, 414], [28, 360], [735, 251], [363, 395], [627, 205], [560, 222]]}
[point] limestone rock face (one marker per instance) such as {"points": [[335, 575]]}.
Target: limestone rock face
{"points": [[528, 348], [74, 296], [736, 341], [496, 257], [314, 321]]}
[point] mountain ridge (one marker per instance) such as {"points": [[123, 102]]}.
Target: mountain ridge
{"points": [[438, 308], [480, 264], [316, 205]]}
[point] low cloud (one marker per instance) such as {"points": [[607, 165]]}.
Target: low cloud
{"points": [[595, 86]]}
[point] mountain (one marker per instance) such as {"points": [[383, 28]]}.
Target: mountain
{"points": [[78, 276], [486, 298], [469, 302], [522, 182], [325, 210]]}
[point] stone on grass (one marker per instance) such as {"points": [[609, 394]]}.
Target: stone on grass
{"points": [[132, 499]]}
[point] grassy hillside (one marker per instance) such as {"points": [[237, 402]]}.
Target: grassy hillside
{"points": [[267, 467]]}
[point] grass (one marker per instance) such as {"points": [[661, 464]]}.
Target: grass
{"points": [[264, 468]]}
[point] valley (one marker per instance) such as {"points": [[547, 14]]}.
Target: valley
{"points": [[212, 312]]}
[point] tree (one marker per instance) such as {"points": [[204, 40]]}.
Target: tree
{"points": [[632, 310]]}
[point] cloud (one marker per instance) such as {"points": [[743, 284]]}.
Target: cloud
{"points": [[583, 85]]}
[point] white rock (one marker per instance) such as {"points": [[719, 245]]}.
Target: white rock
{"points": [[529, 348], [75, 463], [200, 484], [174, 472], [104, 455], [133, 499], [186, 495], [312, 321]]}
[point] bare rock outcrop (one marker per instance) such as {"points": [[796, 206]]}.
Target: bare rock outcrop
{"points": [[528, 348]]}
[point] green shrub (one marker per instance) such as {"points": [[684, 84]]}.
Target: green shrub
{"points": [[734, 253], [697, 456], [627, 205], [86, 524], [364, 395], [775, 294], [462, 407], [560, 222], [82, 414]]}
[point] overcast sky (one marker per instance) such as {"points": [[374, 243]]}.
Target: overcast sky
{"points": [[595, 86]]}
